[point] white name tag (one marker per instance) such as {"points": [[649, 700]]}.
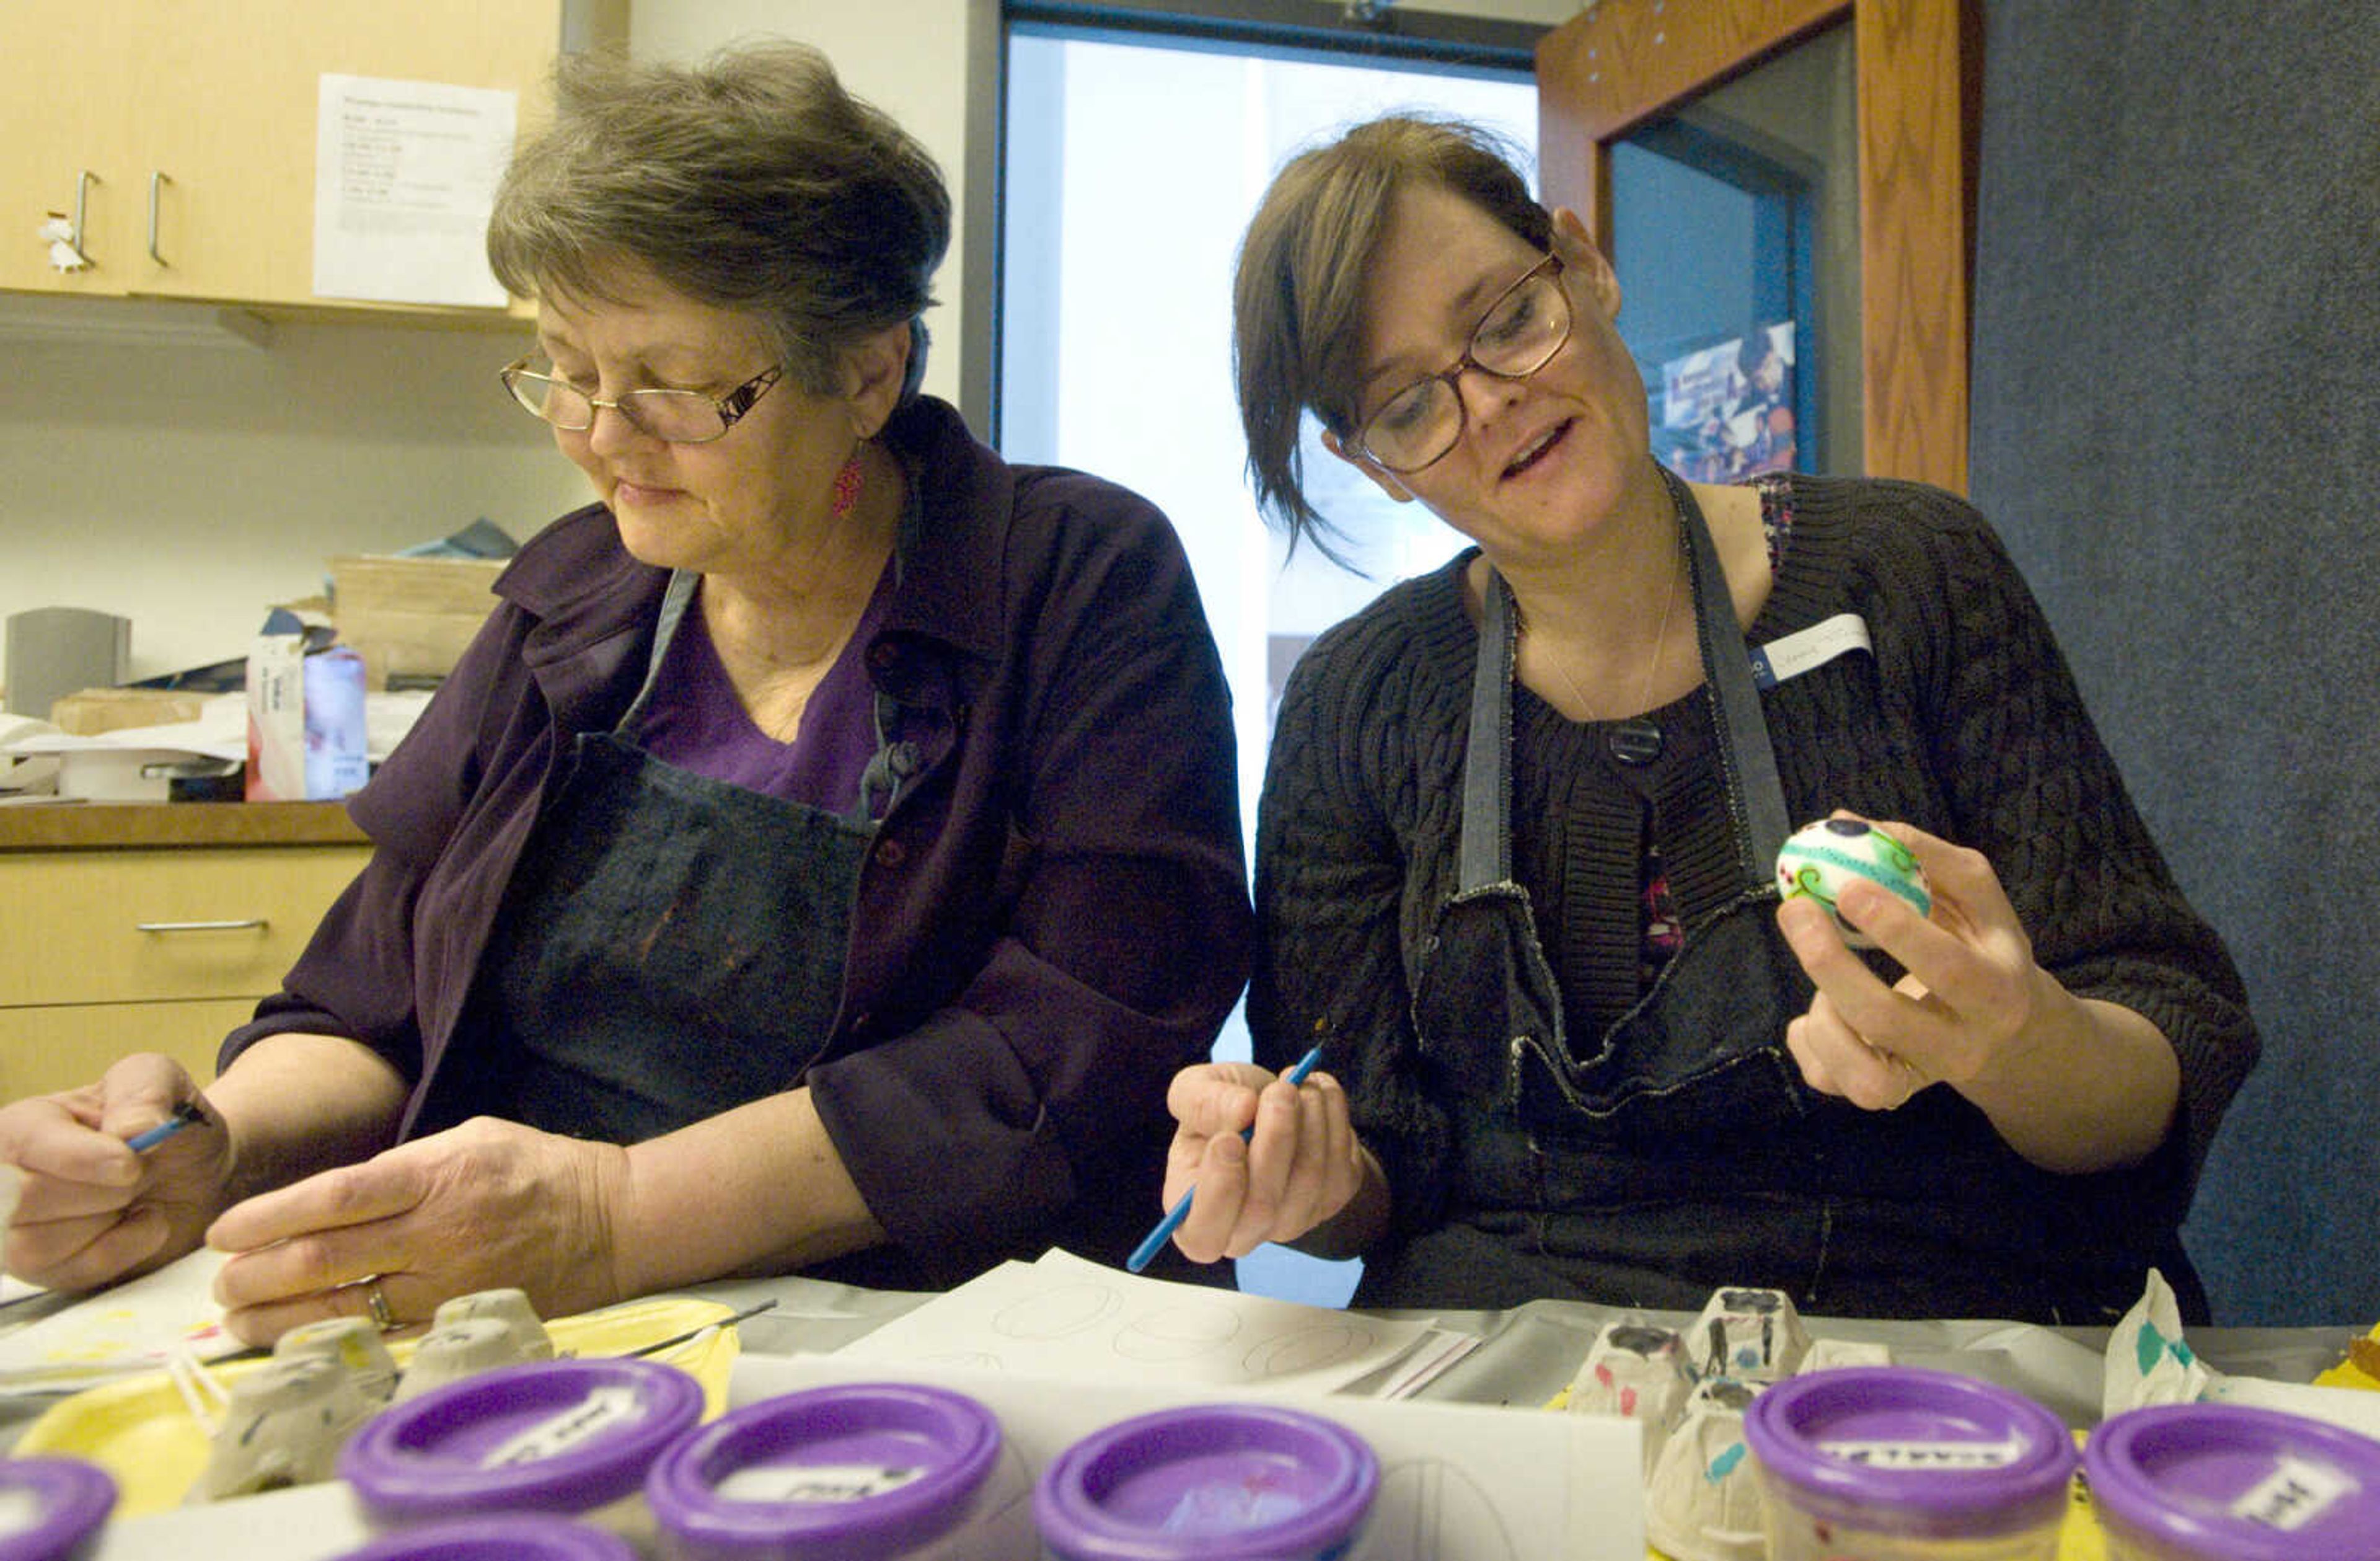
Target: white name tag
{"points": [[601, 1411], [1796, 653], [22, 1512], [2294, 1495], [815, 1483], [1927, 1455]]}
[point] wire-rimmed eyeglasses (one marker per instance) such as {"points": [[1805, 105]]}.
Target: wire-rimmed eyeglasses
{"points": [[1517, 335], [675, 417]]}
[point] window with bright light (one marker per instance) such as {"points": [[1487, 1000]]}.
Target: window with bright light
{"points": [[1131, 166]]}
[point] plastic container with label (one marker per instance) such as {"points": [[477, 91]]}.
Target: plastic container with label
{"points": [[1209, 1483], [514, 1537], [50, 1509], [2232, 1482], [865, 1471], [573, 1438], [1897, 1463]]}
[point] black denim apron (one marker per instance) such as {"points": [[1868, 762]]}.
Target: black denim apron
{"points": [[1679, 1150], [671, 945]]}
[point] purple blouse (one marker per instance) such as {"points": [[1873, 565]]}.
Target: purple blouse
{"points": [[695, 722]]}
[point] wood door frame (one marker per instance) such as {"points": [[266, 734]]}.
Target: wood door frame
{"points": [[1618, 62]]}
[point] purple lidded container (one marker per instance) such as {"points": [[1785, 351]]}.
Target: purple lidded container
{"points": [[1209, 1483], [1896, 1463], [552, 1436], [2233, 1483], [521, 1536], [868, 1472], [52, 1508]]}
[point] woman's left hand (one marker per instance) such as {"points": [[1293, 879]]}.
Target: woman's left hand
{"points": [[1971, 994], [486, 1206], [2070, 1083]]}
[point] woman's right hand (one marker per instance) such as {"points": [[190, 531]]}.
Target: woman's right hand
{"points": [[1299, 1167], [89, 1210]]}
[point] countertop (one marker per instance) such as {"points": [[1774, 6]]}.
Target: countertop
{"points": [[53, 826]]}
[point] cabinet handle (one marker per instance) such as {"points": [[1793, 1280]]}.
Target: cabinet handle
{"points": [[156, 180], [83, 181], [257, 921]]}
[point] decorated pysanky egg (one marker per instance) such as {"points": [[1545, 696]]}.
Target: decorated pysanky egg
{"points": [[1819, 859]]}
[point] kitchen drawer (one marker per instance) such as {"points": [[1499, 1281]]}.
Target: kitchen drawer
{"points": [[43, 1050], [139, 926]]}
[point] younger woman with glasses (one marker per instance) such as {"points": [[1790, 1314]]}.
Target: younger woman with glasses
{"points": [[796, 873], [1515, 857]]}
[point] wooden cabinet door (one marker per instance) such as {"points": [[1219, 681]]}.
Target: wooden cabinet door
{"points": [[229, 117], [65, 112], [196, 122]]}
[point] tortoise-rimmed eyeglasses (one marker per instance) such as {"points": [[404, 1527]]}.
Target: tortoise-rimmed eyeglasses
{"points": [[1517, 334]]}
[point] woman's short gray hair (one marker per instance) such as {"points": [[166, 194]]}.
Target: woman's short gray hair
{"points": [[1298, 303], [751, 181]]}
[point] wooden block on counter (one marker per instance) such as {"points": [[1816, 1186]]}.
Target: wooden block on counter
{"points": [[89, 712]]}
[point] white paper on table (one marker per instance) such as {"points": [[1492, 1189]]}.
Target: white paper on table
{"points": [[1063, 1316], [404, 178], [131, 1327], [1467, 1480], [2356, 1409]]}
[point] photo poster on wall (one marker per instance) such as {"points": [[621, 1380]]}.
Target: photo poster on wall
{"points": [[1725, 411]]}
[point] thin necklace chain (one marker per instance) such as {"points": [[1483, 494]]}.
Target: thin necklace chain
{"points": [[1653, 671]]}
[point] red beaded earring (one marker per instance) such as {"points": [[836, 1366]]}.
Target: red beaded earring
{"points": [[846, 488]]}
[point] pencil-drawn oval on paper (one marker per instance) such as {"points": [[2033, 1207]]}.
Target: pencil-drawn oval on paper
{"points": [[1053, 1315], [1178, 1332], [1427, 1508], [1304, 1349]]}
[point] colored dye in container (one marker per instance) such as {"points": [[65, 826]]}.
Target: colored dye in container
{"points": [[513, 1537], [567, 1437], [52, 1509], [2233, 1483], [1895, 1463], [1210, 1482], [868, 1472]]}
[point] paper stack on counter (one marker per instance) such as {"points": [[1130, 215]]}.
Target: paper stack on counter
{"points": [[1063, 1316]]}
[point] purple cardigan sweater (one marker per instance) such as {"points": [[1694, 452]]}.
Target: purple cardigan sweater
{"points": [[1052, 920]]}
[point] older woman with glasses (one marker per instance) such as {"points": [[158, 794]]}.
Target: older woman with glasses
{"points": [[1515, 856], [796, 873]]}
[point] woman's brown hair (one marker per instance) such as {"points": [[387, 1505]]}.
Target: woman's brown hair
{"points": [[1298, 303]]}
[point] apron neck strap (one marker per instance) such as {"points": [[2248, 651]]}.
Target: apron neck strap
{"points": [[675, 598], [1487, 851], [1755, 796]]}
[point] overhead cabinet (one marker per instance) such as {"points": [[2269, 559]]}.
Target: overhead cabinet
{"points": [[174, 140]]}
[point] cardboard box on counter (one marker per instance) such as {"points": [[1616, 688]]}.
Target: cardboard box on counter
{"points": [[411, 617]]}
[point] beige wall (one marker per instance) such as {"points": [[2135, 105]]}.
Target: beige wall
{"points": [[188, 486]]}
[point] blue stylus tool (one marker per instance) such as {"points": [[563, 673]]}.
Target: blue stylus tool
{"points": [[1154, 1242], [190, 1111]]}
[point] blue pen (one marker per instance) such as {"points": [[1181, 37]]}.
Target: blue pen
{"points": [[1154, 1242], [190, 1111]]}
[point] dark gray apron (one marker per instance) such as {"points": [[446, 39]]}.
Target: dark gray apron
{"points": [[671, 945], [1679, 1150]]}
